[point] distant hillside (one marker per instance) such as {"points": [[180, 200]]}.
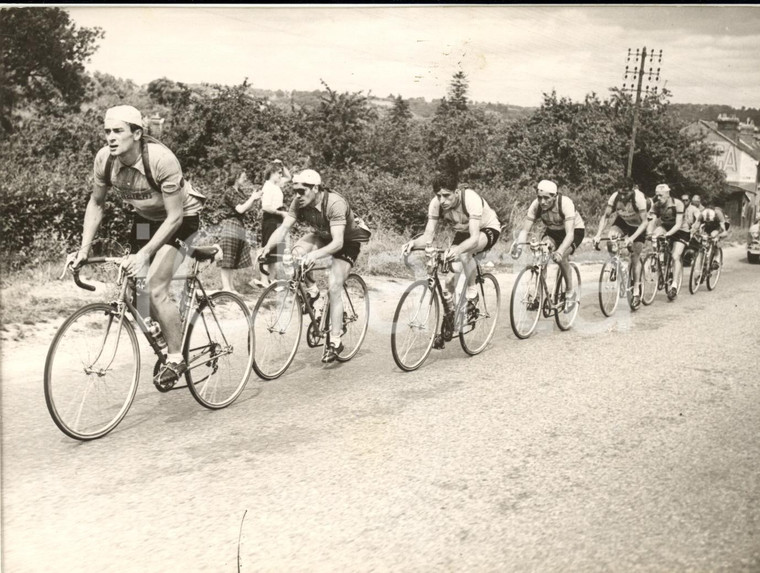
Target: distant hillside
{"points": [[691, 112], [420, 107]]}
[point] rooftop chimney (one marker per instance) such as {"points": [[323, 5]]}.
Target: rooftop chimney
{"points": [[728, 125]]}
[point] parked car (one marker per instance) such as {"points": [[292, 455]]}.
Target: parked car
{"points": [[753, 243]]}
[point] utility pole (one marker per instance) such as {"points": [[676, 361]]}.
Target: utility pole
{"points": [[636, 77]]}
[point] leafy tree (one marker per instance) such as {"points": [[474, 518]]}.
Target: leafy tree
{"points": [[400, 113], [167, 92], [339, 127], [456, 134], [43, 56]]}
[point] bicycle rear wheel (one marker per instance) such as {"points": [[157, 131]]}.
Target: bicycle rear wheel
{"points": [[355, 316], [414, 325], [277, 325], [565, 319], [219, 350], [478, 328], [609, 290], [525, 302], [714, 274], [697, 267], [91, 372], [649, 279]]}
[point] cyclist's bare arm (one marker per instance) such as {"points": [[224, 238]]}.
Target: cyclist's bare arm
{"points": [[470, 243], [278, 235], [642, 226], [603, 222], [522, 235], [676, 225], [337, 233], [93, 215], [424, 239]]}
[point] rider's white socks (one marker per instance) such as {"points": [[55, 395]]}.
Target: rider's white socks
{"points": [[176, 358]]}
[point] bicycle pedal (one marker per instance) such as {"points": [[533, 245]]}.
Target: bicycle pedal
{"points": [[438, 343]]}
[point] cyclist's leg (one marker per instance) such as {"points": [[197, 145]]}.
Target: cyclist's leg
{"points": [[306, 244], [339, 271], [486, 239], [679, 244], [159, 278], [163, 309]]}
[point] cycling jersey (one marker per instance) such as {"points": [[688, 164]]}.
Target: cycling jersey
{"points": [[471, 206], [690, 215], [131, 185], [629, 211], [552, 217], [332, 211], [667, 214]]}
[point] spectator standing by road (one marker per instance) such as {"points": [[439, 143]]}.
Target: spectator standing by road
{"points": [[272, 211], [239, 197]]}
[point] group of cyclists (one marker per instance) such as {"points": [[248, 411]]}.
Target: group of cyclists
{"points": [[146, 174]]}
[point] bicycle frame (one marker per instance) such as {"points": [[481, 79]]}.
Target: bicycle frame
{"points": [[437, 264], [541, 258], [123, 305]]}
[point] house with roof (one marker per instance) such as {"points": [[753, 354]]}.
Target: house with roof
{"points": [[737, 148]]}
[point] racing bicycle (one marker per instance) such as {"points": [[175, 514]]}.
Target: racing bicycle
{"points": [[708, 263], [93, 364], [531, 296], [657, 271], [616, 278], [278, 318], [416, 327]]}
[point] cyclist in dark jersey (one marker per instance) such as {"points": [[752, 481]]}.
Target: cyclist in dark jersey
{"points": [[669, 213]]}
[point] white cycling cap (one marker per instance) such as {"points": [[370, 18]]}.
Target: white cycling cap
{"points": [[125, 113], [662, 187], [547, 187], [308, 177]]}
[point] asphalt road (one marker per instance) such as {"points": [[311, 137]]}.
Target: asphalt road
{"points": [[627, 444]]}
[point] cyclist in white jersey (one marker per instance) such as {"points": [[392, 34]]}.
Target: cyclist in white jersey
{"points": [[630, 221], [476, 229]]}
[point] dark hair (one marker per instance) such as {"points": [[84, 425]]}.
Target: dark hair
{"points": [[234, 173], [134, 127], [445, 181]]}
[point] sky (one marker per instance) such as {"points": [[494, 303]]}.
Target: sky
{"points": [[511, 54]]}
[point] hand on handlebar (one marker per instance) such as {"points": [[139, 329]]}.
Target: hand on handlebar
{"points": [[406, 248], [557, 256], [134, 264]]}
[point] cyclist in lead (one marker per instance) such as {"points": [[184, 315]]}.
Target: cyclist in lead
{"points": [[630, 208], [147, 175], [565, 230], [336, 232], [476, 229]]}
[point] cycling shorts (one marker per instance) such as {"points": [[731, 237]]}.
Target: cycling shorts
{"points": [[143, 230], [559, 235], [628, 230], [492, 235]]}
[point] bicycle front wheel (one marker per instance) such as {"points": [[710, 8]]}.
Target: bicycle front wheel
{"points": [[219, 350], [649, 277], [695, 276], [414, 325], [525, 302], [717, 261], [91, 372], [609, 291], [478, 326], [565, 319], [355, 316], [277, 324]]}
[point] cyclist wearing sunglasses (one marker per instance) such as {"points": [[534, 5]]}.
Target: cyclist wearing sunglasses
{"points": [[336, 232], [565, 230]]}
